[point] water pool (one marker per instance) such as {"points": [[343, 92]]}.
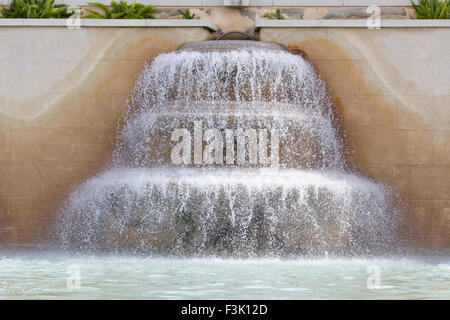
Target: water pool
{"points": [[42, 274]]}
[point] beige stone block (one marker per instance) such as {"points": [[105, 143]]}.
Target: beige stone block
{"points": [[25, 211], [352, 138], [3, 211], [440, 242], [32, 217], [439, 44], [165, 39], [424, 112], [397, 77], [315, 13], [80, 111], [5, 150], [5, 85], [396, 147], [21, 178], [22, 42], [40, 77], [97, 111], [61, 177], [95, 152], [30, 144], [347, 45], [369, 112], [312, 41], [124, 74], [141, 44], [441, 147], [430, 217], [372, 77], [420, 218], [96, 144], [382, 173], [391, 43], [96, 44], [4, 178], [440, 78], [91, 76], [96, 135], [341, 76], [417, 77], [8, 235], [313, 49], [424, 182]]}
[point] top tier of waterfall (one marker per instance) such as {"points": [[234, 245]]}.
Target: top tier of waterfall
{"points": [[218, 71], [232, 84]]}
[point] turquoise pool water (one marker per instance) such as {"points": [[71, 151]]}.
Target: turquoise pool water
{"points": [[41, 274]]}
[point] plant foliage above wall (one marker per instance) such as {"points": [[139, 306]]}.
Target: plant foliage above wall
{"points": [[187, 14], [121, 10], [35, 9], [432, 9], [274, 15]]}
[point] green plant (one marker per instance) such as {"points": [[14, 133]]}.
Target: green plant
{"points": [[274, 15], [35, 9], [121, 10], [97, 15], [187, 14], [432, 9]]}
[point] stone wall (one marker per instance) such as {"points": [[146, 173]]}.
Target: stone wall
{"points": [[63, 91]]}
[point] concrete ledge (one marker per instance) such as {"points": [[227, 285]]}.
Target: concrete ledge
{"points": [[173, 23], [360, 23], [205, 23]]}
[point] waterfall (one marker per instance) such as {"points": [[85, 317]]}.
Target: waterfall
{"points": [[262, 166]]}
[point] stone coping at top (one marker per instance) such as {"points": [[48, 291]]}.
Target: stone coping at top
{"points": [[352, 23], [182, 23], [265, 3], [174, 23]]}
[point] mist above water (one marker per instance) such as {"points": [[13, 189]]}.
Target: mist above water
{"points": [[312, 201]]}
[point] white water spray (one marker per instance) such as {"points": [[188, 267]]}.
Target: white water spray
{"points": [[313, 200]]}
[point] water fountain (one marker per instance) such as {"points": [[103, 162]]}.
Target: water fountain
{"points": [[261, 168]]}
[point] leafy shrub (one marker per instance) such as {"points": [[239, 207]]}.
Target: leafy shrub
{"points": [[35, 9], [122, 10], [187, 14], [432, 9], [274, 15]]}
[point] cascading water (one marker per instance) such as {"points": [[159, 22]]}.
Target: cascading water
{"points": [[294, 193]]}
